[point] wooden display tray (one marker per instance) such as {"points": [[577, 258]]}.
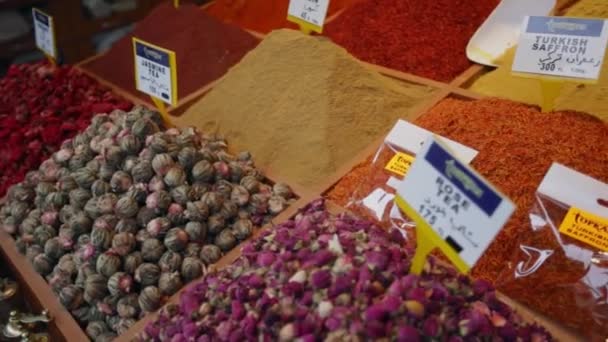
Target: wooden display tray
{"points": [[63, 326]]}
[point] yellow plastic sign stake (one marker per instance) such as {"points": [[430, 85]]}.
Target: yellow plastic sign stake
{"points": [[162, 109], [427, 240], [305, 27], [550, 89]]}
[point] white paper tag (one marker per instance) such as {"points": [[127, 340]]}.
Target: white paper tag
{"points": [[410, 138], [575, 189], [312, 11], [460, 206], [44, 31], [557, 46], [153, 71]]}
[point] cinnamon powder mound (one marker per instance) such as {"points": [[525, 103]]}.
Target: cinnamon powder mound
{"points": [[302, 105]]}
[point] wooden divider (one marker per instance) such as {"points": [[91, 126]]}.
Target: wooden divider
{"points": [[38, 293]]}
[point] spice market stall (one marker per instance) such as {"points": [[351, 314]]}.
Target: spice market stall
{"points": [[135, 228]]}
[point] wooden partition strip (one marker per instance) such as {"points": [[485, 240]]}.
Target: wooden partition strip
{"points": [[471, 73], [400, 75], [38, 293], [468, 94]]}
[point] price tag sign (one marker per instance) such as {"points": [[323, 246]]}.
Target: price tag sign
{"points": [[309, 14], [564, 47], [155, 71], [455, 209], [44, 30]]}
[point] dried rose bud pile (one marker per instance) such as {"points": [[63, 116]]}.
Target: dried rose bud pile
{"points": [[124, 214], [322, 277], [40, 106]]}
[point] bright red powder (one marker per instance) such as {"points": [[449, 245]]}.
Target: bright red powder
{"points": [[262, 15], [40, 107], [424, 37], [205, 48]]}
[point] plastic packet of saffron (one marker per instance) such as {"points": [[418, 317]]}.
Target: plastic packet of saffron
{"points": [[374, 197], [561, 266]]}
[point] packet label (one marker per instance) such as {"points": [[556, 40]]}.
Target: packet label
{"points": [[400, 163], [586, 227]]}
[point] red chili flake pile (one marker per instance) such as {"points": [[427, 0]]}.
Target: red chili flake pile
{"points": [[41, 106], [261, 15], [204, 47], [426, 38], [517, 144]]}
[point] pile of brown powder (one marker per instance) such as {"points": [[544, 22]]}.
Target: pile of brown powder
{"points": [[302, 105]]}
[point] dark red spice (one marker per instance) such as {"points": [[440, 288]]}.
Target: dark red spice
{"points": [[40, 107], [262, 15], [205, 48], [517, 144], [426, 38]]}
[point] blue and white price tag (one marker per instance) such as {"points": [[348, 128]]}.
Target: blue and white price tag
{"points": [[44, 32], [565, 47], [460, 208], [155, 71]]}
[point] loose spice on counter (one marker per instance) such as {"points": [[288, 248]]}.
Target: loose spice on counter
{"points": [[305, 106], [426, 38], [517, 145], [40, 106], [205, 48], [321, 277], [589, 98], [261, 15]]}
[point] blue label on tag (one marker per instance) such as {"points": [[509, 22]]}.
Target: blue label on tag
{"points": [[474, 188], [41, 17], [152, 54], [565, 26]]}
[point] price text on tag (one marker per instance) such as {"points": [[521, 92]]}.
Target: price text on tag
{"points": [[44, 30], [155, 71], [453, 206], [309, 14], [565, 47]]}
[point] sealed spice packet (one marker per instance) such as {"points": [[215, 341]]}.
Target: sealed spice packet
{"points": [[561, 267], [374, 196]]}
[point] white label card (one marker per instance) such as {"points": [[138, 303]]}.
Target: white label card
{"points": [[312, 11], [558, 46], [459, 205], [44, 31], [153, 71]]}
